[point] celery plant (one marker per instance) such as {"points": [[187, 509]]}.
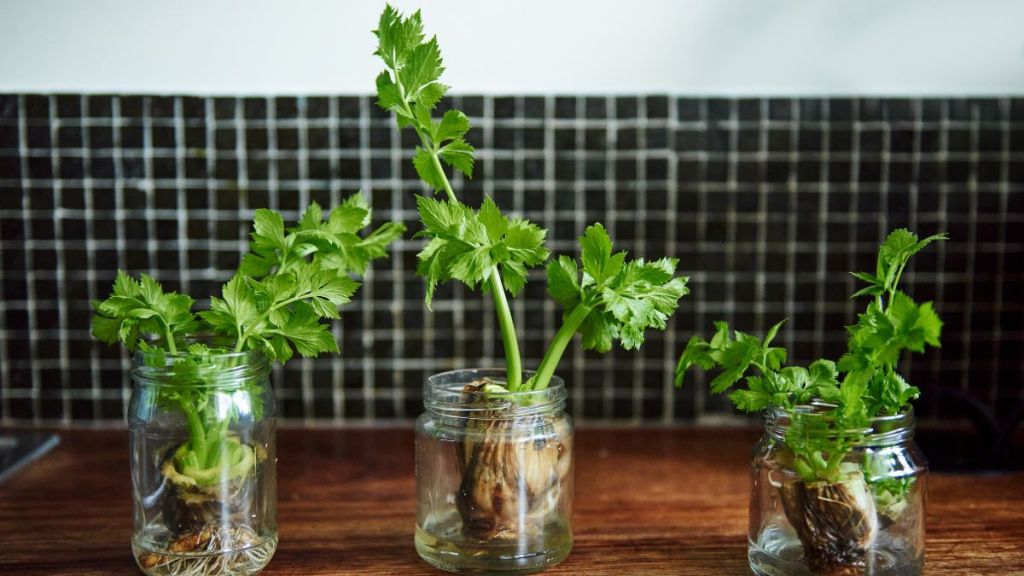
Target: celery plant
{"points": [[278, 302], [834, 506], [605, 297]]}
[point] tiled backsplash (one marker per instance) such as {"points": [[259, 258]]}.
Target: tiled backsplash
{"points": [[767, 203]]}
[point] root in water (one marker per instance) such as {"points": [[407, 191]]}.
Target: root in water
{"points": [[512, 473], [212, 551], [837, 523]]}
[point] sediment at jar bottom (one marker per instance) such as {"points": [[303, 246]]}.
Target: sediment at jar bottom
{"points": [[836, 522], [212, 551], [513, 469]]}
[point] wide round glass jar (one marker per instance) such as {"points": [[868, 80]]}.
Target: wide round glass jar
{"points": [[203, 463], [494, 475], [866, 520]]}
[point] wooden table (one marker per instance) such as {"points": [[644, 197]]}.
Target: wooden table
{"points": [[649, 501]]}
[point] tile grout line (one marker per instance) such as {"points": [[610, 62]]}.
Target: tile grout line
{"points": [[337, 372], [58, 237], [90, 260], [30, 289], [366, 291], [397, 310], [821, 265], [668, 391], [997, 328], [122, 247], [972, 191]]}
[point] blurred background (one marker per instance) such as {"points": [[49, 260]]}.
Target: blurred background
{"points": [[769, 146]]}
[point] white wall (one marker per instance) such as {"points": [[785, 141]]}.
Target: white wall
{"points": [[523, 46]]}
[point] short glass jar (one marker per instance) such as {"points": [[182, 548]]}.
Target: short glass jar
{"points": [[494, 475], [202, 430], [869, 520]]}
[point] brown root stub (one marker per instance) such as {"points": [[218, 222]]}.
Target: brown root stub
{"points": [[512, 471], [836, 522]]}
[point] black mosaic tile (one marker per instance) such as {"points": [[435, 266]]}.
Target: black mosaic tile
{"points": [[703, 179]]}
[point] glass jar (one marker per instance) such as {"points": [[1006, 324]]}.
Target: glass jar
{"points": [[868, 519], [494, 475], [203, 463]]}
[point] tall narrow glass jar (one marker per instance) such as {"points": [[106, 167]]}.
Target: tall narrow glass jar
{"points": [[203, 463], [869, 522], [494, 475]]}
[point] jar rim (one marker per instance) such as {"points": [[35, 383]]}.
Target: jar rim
{"points": [[880, 430], [445, 394], [219, 369]]}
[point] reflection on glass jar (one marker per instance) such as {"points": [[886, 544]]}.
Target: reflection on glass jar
{"points": [[203, 463], [868, 520], [494, 475]]}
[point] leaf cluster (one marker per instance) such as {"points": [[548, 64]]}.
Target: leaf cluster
{"points": [[294, 278], [282, 312], [623, 298], [141, 309], [411, 88], [891, 324], [735, 353], [605, 297], [892, 259], [277, 303], [332, 241], [468, 245], [870, 386]]}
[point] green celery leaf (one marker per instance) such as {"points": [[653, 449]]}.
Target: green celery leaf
{"points": [[454, 124], [141, 308], [493, 220], [599, 331], [750, 400], [427, 169], [563, 281], [696, 353], [306, 333], [596, 255], [459, 155]]}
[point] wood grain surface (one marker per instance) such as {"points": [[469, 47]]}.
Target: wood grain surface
{"points": [[649, 501]]}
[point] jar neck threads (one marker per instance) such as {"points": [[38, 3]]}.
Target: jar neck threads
{"points": [[880, 431], [463, 395], [214, 369]]}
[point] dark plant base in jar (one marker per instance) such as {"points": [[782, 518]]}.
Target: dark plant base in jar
{"points": [[509, 515], [513, 468], [778, 552], [837, 523]]}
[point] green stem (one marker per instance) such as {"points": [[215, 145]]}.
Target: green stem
{"points": [[444, 177], [280, 265], [546, 370], [195, 430], [427, 143], [896, 281], [243, 334], [169, 336], [215, 443], [513, 362]]}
